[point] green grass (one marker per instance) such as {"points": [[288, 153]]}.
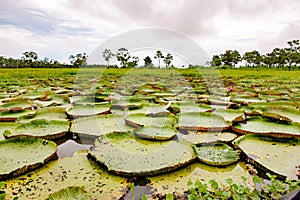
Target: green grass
{"points": [[17, 76]]}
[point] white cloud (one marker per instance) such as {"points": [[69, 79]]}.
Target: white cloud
{"points": [[59, 28]]}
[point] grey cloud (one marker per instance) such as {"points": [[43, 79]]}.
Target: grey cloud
{"points": [[20, 15]]}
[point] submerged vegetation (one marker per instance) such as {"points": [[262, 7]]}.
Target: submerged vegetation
{"points": [[193, 131]]}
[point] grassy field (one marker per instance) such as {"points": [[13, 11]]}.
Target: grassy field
{"points": [[19, 74]]}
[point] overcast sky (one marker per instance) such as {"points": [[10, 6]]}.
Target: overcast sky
{"points": [[58, 28]]}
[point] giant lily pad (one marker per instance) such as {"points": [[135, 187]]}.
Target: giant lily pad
{"points": [[141, 119], [49, 113], [128, 103], [187, 107], [12, 116], [55, 100], [52, 129], [155, 133], [64, 173], [262, 126], [18, 155], [70, 193], [88, 110], [127, 155], [196, 137], [15, 106], [5, 126], [276, 118], [219, 154], [177, 180], [96, 126], [231, 115], [291, 113], [201, 121], [272, 154], [152, 109]]}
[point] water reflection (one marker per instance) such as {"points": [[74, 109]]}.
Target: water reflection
{"points": [[68, 148]]}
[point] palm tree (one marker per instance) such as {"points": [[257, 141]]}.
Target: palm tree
{"points": [[158, 56]]}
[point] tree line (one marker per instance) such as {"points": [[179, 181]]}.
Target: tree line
{"points": [[279, 57], [287, 57], [128, 61]]}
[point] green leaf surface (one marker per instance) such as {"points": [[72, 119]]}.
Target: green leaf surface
{"points": [[18, 155], [6, 126], [40, 128], [48, 113], [201, 121], [125, 154], [88, 110], [276, 155], [96, 126], [155, 133], [70, 193], [63, 173], [196, 137], [262, 126], [177, 180], [219, 154], [142, 119]]}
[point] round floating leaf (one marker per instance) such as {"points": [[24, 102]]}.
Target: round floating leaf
{"points": [[18, 155], [128, 103], [96, 126], [177, 180], [231, 115], [36, 94], [155, 133], [88, 110], [127, 155], [15, 106], [63, 173], [55, 100], [141, 119], [262, 126], [10, 116], [49, 113], [70, 193], [187, 107], [207, 137], [151, 109], [201, 121], [42, 128], [6, 126], [276, 118], [219, 154], [292, 114], [279, 156]]}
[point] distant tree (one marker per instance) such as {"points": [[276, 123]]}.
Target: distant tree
{"points": [[134, 62], [216, 60], [107, 55], [123, 56], [78, 60], [279, 57], [227, 57], [148, 61], [158, 56], [252, 58], [293, 53], [30, 59], [231, 58], [269, 60], [236, 57], [2, 61], [168, 60]]}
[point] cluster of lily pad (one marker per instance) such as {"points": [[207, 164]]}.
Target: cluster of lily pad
{"points": [[145, 126]]}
